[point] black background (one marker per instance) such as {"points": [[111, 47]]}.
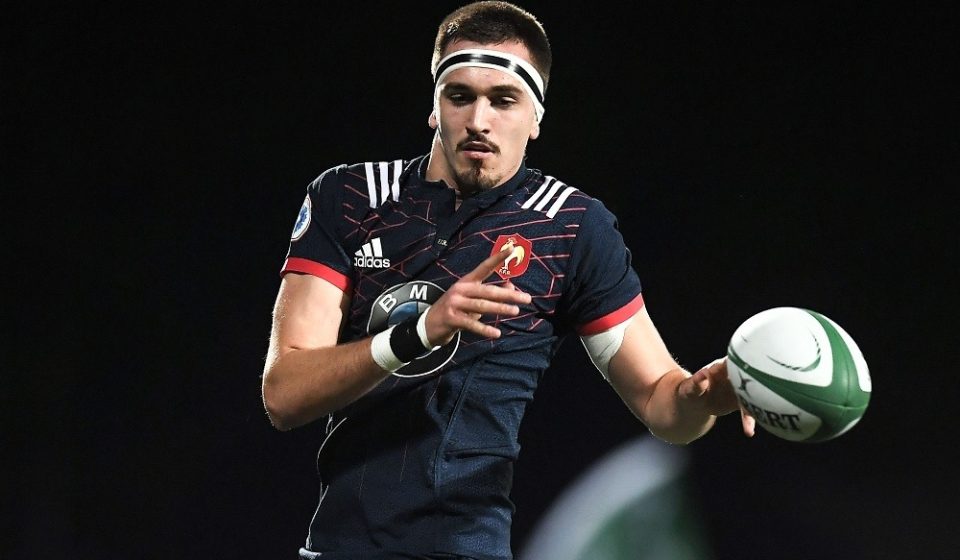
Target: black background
{"points": [[757, 155]]}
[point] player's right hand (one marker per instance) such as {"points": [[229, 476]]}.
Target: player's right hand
{"points": [[461, 307], [710, 390]]}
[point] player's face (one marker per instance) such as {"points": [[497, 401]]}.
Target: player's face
{"points": [[484, 119]]}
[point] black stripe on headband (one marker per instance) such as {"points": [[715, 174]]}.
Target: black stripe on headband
{"points": [[507, 64]]}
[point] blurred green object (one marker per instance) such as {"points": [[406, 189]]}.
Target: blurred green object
{"points": [[631, 505]]}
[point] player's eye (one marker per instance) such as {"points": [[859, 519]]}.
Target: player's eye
{"points": [[505, 102], [458, 98]]}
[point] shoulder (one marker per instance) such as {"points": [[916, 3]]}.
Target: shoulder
{"points": [[570, 213], [558, 200], [367, 184]]}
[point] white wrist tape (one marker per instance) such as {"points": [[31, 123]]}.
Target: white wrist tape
{"points": [[383, 354], [602, 347], [422, 331]]}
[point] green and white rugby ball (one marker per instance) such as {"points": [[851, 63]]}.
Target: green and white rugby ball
{"points": [[799, 374]]}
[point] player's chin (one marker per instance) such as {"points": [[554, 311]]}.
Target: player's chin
{"points": [[475, 168], [475, 179]]}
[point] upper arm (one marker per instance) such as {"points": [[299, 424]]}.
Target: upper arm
{"points": [[640, 362], [308, 313]]}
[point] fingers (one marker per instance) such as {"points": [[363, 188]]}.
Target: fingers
{"points": [[711, 386], [458, 312], [469, 299], [475, 301], [480, 307], [474, 325], [490, 292], [476, 298], [698, 384], [702, 381], [717, 367], [488, 265], [749, 423]]}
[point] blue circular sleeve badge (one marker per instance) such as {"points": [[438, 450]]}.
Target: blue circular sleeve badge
{"points": [[303, 220]]}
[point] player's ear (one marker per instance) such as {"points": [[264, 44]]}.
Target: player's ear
{"points": [[432, 120], [535, 131]]}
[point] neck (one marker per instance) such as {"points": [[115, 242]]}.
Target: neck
{"points": [[437, 170]]}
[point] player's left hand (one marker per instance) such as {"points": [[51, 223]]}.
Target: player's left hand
{"points": [[709, 390], [469, 298]]}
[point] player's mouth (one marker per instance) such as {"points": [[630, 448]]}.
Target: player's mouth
{"points": [[477, 149]]}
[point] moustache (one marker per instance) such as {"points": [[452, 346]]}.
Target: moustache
{"points": [[478, 143]]}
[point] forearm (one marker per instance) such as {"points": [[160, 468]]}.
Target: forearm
{"points": [[670, 417], [301, 385]]}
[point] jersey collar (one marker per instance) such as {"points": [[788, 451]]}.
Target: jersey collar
{"points": [[484, 198]]}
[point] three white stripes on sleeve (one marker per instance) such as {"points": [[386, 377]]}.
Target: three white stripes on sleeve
{"points": [[388, 189], [545, 193]]}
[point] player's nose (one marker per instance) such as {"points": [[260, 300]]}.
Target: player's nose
{"points": [[478, 119]]}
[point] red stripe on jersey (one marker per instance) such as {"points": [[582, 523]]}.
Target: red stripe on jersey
{"points": [[296, 264], [611, 320]]}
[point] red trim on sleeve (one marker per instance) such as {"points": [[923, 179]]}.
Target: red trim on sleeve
{"points": [[613, 319], [296, 264]]}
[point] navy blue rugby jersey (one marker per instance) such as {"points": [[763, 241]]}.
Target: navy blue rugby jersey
{"points": [[424, 462]]}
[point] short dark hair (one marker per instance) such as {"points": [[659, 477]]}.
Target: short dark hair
{"points": [[492, 23]]}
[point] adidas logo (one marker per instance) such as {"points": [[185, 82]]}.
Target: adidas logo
{"points": [[370, 255]]}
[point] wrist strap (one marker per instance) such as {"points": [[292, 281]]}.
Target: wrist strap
{"points": [[405, 340], [401, 344]]}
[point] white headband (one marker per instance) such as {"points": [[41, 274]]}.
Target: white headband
{"points": [[497, 60]]}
